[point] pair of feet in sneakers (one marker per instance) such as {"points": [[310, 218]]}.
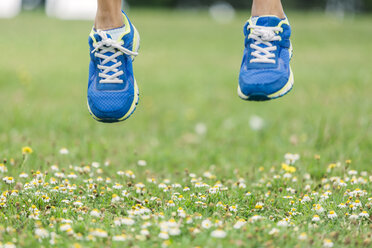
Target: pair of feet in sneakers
{"points": [[113, 92]]}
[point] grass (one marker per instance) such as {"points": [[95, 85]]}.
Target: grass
{"points": [[187, 72]]}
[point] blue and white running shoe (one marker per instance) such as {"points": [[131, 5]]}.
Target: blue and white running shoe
{"points": [[265, 72], [112, 89]]}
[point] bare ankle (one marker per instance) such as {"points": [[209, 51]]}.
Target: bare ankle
{"points": [[109, 15], [108, 20], [268, 7]]}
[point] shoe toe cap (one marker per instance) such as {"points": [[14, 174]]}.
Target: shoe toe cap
{"points": [[110, 106]]}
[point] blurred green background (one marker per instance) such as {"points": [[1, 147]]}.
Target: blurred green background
{"points": [[189, 115], [349, 5]]}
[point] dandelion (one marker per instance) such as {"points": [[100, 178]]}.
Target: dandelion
{"points": [[218, 234], [26, 150], [288, 168], [259, 205], [332, 215]]}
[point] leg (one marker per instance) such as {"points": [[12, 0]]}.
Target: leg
{"points": [[267, 7], [109, 15]]}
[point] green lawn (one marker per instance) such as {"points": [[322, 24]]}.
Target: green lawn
{"points": [[187, 72]]}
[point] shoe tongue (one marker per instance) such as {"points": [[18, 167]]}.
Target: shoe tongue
{"points": [[266, 21], [99, 38]]}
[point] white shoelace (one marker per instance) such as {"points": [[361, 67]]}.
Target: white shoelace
{"points": [[116, 48], [263, 35]]}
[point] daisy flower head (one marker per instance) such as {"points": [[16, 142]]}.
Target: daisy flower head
{"points": [[364, 214], [127, 221], [8, 180], [95, 213], [315, 218], [233, 208], [327, 243], [218, 233], [302, 236], [41, 233], [291, 158], [206, 224], [163, 235], [23, 175], [3, 168], [119, 238], [274, 231], [332, 215], [240, 223], [141, 163], [63, 151], [115, 198], [353, 217]]}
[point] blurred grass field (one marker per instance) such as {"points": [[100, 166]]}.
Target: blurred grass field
{"points": [[187, 72]]}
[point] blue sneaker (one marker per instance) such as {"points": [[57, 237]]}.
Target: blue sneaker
{"points": [[112, 89], [265, 72]]}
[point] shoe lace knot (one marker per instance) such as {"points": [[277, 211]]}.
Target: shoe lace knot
{"points": [[262, 47], [108, 50]]}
